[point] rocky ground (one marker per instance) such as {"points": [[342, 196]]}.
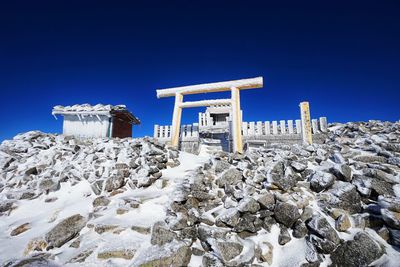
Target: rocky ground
{"points": [[137, 203]]}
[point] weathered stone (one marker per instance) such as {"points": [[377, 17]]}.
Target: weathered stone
{"points": [[324, 237], [20, 229], [371, 159], [114, 182], [342, 223], [102, 228], [126, 254], [101, 201], [210, 260], [282, 177], [391, 218], [265, 252], [161, 235], [286, 213], [230, 177], [221, 165], [65, 230], [342, 195], [284, 236], [36, 244], [81, 257], [248, 204], [299, 229], [229, 217], [342, 172], [171, 254], [361, 251], [6, 205], [297, 166], [141, 229], [228, 250], [321, 180], [267, 201]]}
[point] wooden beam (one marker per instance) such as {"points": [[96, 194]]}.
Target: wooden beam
{"points": [[251, 83], [205, 103]]}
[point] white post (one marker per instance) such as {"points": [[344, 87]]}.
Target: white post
{"points": [[275, 127], [298, 126], [209, 120], [259, 128], [176, 120], [306, 122], [252, 128], [267, 128], [195, 132], [323, 124], [290, 126], [162, 131], [244, 129], [283, 126], [315, 126], [200, 118], [236, 120], [156, 131]]}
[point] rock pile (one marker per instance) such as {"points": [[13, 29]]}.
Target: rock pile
{"points": [[341, 198], [337, 203]]}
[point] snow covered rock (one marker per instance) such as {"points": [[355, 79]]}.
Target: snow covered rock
{"points": [[65, 230], [361, 251], [286, 213]]}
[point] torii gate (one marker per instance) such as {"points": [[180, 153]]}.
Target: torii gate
{"points": [[234, 102]]}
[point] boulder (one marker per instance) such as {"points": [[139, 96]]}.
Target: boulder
{"points": [[20, 229], [284, 236], [323, 235], [125, 254], [361, 251], [342, 223], [342, 172], [228, 217], [161, 235], [391, 218], [230, 177], [286, 213], [248, 204], [342, 195], [174, 253], [101, 201], [267, 201], [65, 230], [321, 180], [114, 182]]}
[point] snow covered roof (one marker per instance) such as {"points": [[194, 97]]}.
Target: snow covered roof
{"points": [[99, 109]]}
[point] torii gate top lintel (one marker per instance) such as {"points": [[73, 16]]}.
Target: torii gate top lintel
{"points": [[251, 83], [234, 102]]}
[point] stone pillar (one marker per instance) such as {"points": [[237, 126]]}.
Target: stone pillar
{"points": [[298, 126], [267, 128], [156, 131], [314, 123], [252, 128], [306, 123], [195, 128], [274, 127], [290, 126], [236, 120], [323, 122], [259, 128], [283, 127], [244, 128], [176, 120]]}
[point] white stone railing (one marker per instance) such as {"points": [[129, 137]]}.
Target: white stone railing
{"points": [[188, 132], [259, 128], [282, 127]]}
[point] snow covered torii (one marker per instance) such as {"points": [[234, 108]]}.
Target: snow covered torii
{"points": [[234, 102]]}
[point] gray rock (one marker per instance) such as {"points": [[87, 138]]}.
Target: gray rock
{"points": [[65, 230], [267, 201], [114, 182], [221, 165], [321, 180], [97, 186], [101, 201], [160, 234], [229, 217], [299, 229], [6, 205], [361, 251], [342, 195], [394, 236], [248, 204], [230, 177], [324, 236], [171, 254], [228, 250], [210, 260], [286, 213], [391, 218], [297, 166], [342, 172], [284, 236], [282, 177], [49, 185]]}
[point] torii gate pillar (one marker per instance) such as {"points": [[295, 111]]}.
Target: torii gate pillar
{"points": [[234, 102], [236, 121]]}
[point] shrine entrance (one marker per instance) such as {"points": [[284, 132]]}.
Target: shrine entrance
{"points": [[233, 103]]}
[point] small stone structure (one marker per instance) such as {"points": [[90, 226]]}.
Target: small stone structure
{"points": [[96, 121], [214, 129]]}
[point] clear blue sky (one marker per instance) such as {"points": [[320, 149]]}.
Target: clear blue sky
{"points": [[342, 56]]}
